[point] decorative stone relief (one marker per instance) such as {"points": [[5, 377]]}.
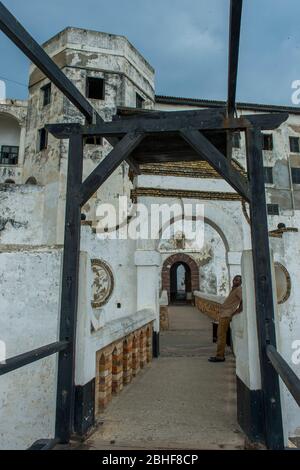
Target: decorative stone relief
{"points": [[103, 284], [204, 256], [283, 283]]}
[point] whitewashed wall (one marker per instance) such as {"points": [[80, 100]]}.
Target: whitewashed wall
{"points": [[21, 214], [29, 290]]}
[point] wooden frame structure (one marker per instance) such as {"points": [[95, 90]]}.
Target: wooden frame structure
{"points": [[198, 135]]}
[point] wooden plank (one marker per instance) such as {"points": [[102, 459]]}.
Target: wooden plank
{"points": [[110, 163], [285, 372], [263, 290], [212, 155], [171, 123], [69, 293], [236, 7]]}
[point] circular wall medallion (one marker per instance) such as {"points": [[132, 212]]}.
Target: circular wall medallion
{"points": [[283, 283], [103, 284]]}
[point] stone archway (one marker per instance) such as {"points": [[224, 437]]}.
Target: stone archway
{"points": [[176, 259]]}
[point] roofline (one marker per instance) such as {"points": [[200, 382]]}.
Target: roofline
{"points": [[221, 104], [94, 31]]}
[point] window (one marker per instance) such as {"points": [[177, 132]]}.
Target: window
{"points": [[95, 88], [273, 209], [46, 90], [236, 140], [9, 155], [43, 139], [94, 140], [294, 145], [267, 142], [139, 101], [268, 174], [296, 175]]}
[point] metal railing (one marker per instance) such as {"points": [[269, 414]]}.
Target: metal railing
{"points": [[287, 375]]}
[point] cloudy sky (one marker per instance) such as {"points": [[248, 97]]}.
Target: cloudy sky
{"points": [[186, 41]]}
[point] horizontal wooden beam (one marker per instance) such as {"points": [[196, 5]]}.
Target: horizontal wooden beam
{"points": [[110, 163], [204, 120], [211, 154], [27, 358], [22, 39], [285, 372]]}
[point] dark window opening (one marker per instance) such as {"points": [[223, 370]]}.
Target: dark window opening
{"points": [[268, 175], [294, 145], [31, 180], [9, 181], [43, 139], [296, 175], [267, 142], [95, 88], [9, 155], [236, 140], [46, 94], [139, 101], [94, 140], [273, 209]]}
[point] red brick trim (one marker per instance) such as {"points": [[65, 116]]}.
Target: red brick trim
{"points": [[183, 258]]}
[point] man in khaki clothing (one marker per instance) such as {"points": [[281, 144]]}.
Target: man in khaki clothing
{"points": [[232, 305]]}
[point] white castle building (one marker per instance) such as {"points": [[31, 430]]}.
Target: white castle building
{"points": [[126, 285]]}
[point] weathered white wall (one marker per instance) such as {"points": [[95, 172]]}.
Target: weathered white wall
{"points": [[287, 321], [113, 322], [29, 290], [21, 214]]}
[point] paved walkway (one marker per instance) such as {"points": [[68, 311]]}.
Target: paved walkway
{"points": [[181, 402]]}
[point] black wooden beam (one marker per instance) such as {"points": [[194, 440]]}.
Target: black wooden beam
{"points": [[220, 163], [263, 290], [285, 372], [236, 7], [24, 359], [17, 33], [110, 163], [170, 123], [69, 292]]}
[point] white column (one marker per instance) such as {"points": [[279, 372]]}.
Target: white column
{"points": [[22, 147], [287, 322], [246, 341], [234, 264], [148, 263]]}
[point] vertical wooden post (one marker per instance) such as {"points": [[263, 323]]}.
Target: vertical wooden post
{"points": [[263, 290], [69, 293]]}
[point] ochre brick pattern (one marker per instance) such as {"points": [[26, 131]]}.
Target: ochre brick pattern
{"points": [[143, 348], [104, 379], [135, 355], [209, 307], [164, 317], [117, 368], [149, 333], [127, 360], [119, 362]]}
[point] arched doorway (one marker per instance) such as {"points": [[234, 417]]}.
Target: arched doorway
{"points": [[180, 282], [180, 277]]}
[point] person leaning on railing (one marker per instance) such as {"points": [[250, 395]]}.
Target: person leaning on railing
{"points": [[232, 305]]}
